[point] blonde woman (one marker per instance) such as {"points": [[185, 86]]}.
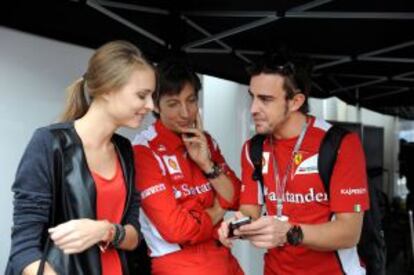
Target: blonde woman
{"points": [[75, 205]]}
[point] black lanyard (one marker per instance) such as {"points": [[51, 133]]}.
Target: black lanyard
{"points": [[281, 185]]}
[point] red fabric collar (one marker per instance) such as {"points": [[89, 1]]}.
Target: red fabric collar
{"points": [[166, 137], [292, 140]]}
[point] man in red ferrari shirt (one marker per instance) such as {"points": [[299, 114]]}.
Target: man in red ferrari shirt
{"points": [[306, 231], [185, 184]]}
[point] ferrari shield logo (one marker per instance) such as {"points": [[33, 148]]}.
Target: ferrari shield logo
{"points": [[298, 158], [172, 164]]}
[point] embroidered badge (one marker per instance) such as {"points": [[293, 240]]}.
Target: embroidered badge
{"points": [[298, 158], [307, 166], [172, 164], [153, 190]]}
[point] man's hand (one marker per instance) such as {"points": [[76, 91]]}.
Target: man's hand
{"points": [[196, 144], [75, 236], [265, 232]]}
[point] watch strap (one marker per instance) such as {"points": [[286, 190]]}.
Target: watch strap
{"points": [[214, 172], [295, 235]]}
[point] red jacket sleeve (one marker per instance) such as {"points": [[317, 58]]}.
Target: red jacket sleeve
{"points": [[177, 223], [218, 158]]}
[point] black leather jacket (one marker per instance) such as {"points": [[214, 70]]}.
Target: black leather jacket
{"points": [[55, 163]]}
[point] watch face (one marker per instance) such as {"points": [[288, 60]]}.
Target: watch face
{"points": [[295, 235]]}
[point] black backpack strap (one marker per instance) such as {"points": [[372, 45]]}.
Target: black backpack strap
{"points": [[255, 154], [328, 152]]}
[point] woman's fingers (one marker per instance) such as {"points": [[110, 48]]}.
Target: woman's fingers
{"points": [[61, 230], [77, 235]]}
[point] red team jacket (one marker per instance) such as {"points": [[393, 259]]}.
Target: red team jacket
{"points": [[174, 195], [305, 200]]}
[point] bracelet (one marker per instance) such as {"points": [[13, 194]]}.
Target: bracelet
{"points": [[119, 237]]}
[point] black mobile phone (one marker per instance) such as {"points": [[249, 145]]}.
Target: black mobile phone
{"points": [[188, 135], [236, 224]]}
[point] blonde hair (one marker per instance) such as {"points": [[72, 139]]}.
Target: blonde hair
{"points": [[108, 69]]}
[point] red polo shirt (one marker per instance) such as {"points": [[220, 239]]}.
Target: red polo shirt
{"points": [[305, 200]]}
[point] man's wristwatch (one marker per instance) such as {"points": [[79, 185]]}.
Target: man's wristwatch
{"points": [[295, 235], [214, 172]]}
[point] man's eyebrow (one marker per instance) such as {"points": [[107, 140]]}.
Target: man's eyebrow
{"points": [[171, 100]]}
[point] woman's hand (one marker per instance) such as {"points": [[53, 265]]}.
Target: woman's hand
{"points": [[76, 236]]}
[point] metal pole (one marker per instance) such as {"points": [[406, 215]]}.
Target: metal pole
{"points": [[410, 217]]}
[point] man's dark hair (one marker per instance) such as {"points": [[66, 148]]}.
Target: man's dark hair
{"points": [[173, 75], [295, 72]]}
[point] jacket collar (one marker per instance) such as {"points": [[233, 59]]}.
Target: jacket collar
{"points": [[167, 138]]}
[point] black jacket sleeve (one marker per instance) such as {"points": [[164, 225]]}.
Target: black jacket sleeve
{"points": [[32, 201]]}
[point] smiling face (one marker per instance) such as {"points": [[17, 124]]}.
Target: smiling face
{"points": [[270, 108], [179, 110], [129, 105]]}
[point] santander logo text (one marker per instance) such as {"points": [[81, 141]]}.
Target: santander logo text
{"points": [[310, 196], [195, 190]]}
